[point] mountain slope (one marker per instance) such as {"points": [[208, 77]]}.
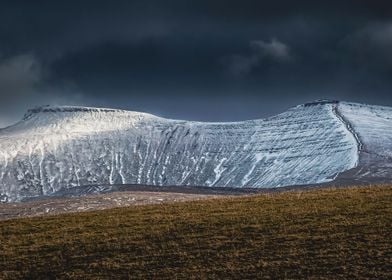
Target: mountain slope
{"points": [[56, 148], [372, 126]]}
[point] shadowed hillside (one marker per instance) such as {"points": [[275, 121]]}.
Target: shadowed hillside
{"points": [[329, 233]]}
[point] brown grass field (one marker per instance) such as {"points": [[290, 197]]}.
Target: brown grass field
{"points": [[343, 233]]}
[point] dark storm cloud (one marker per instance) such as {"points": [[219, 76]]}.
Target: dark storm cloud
{"points": [[372, 43], [18, 74], [207, 60], [23, 80]]}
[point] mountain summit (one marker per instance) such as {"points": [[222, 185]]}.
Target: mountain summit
{"points": [[53, 149]]}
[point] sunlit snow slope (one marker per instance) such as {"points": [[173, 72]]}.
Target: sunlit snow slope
{"points": [[373, 127], [56, 148]]}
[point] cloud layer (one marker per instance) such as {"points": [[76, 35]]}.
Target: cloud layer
{"points": [[273, 51], [206, 60], [24, 84]]}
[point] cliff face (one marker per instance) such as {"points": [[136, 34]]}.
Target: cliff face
{"points": [[55, 148]]}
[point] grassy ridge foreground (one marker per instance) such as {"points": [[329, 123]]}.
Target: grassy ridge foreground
{"points": [[330, 233]]}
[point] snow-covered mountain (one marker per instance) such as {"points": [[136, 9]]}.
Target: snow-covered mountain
{"points": [[57, 148]]}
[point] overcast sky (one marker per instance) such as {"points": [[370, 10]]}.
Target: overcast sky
{"points": [[201, 60]]}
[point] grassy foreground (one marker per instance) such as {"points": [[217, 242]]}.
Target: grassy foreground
{"points": [[330, 233]]}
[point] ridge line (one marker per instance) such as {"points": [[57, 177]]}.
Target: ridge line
{"points": [[349, 128]]}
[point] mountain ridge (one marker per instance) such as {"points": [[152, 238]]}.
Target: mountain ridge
{"points": [[87, 109], [54, 148]]}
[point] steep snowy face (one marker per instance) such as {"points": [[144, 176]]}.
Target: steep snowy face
{"points": [[372, 126], [55, 148]]}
